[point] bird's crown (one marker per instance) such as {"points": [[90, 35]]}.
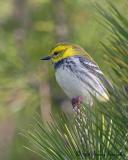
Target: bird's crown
{"points": [[65, 50]]}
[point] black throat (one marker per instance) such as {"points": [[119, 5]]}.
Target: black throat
{"points": [[59, 63]]}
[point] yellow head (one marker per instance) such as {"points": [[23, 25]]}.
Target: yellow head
{"points": [[65, 50]]}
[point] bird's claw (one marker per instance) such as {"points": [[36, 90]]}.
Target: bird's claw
{"points": [[76, 103]]}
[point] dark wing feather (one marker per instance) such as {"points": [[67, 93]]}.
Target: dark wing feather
{"points": [[94, 68]]}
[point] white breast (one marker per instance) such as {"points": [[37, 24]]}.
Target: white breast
{"points": [[71, 85]]}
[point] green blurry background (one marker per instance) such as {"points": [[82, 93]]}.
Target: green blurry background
{"points": [[28, 30]]}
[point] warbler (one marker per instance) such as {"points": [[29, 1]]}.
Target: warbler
{"points": [[78, 74]]}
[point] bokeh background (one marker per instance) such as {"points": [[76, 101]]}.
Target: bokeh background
{"points": [[28, 30]]}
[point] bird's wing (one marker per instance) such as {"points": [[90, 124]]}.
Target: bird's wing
{"points": [[94, 69]]}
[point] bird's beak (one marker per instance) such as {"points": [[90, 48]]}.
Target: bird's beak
{"points": [[46, 58]]}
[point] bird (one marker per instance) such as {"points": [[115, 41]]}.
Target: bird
{"points": [[78, 75]]}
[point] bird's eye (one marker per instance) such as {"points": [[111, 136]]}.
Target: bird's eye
{"points": [[56, 53]]}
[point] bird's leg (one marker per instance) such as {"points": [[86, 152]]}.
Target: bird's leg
{"points": [[76, 103]]}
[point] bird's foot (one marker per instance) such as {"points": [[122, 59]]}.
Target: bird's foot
{"points": [[76, 103]]}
